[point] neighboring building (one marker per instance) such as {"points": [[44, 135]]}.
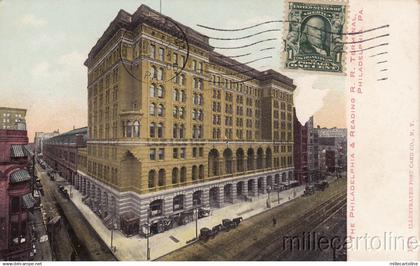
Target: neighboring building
{"points": [[61, 151], [300, 152], [171, 129], [333, 149], [15, 196], [12, 118], [40, 137], [313, 152]]}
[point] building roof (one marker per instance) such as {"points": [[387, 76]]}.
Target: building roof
{"points": [[69, 137], [20, 176], [17, 151], [147, 15], [12, 109], [28, 201]]}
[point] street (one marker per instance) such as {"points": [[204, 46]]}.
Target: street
{"points": [[257, 239], [76, 239]]}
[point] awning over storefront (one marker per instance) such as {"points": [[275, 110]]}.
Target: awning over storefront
{"points": [[28, 201], [20, 176], [17, 151]]}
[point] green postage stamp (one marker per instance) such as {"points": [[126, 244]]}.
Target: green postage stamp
{"points": [[314, 36]]}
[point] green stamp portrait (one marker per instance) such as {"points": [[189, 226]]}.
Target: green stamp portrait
{"points": [[314, 36]]}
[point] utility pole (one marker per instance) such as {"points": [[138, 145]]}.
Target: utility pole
{"points": [[196, 223], [33, 175], [147, 236], [112, 233]]}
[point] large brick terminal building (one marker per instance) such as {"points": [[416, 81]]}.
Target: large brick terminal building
{"points": [[172, 124]]}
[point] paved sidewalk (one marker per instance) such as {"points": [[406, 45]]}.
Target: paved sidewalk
{"points": [[134, 248]]}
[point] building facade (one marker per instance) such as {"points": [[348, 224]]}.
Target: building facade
{"points": [[313, 152], [12, 118], [16, 200], [39, 139], [174, 125], [333, 149], [300, 153], [61, 151]]}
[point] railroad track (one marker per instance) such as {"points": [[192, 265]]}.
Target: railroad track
{"points": [[271, 247]]}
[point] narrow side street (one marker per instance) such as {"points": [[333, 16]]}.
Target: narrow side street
{"points": [[69, 245]]}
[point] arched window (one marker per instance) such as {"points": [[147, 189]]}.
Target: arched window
{"points": [[152, 90], [160, 91], [194, 172], [183, 96], [129, 129], [175, 131], [201, 171], [183, 174], [161, 181], [160, 74], [175, 174], [199, 131], [182, 79], [175, 95], [182, 131], [201, 101], [194, 131], [200, 115], [152, 130], [175, 112], [200, 84], [136, 127], [182, 112], [152, 178], [161, 110], [152, 109], [160, 130], [123, 128], [153, 72], [194, 114]]}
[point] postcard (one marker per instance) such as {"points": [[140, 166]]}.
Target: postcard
{"points": [[156, 130]]}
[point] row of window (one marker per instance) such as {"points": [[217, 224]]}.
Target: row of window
{"points": [[177, 153], [179, 175], [233, 85], [102, 151]]}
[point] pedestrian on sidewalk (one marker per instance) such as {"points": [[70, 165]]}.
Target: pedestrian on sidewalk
{"points": [[274, 221]]}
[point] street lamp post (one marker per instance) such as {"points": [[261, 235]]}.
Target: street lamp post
{"points": [[268, 198], [112, 234], [195, 212], [147, 235]]}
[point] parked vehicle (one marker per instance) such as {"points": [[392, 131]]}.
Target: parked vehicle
{"points": [[309, 190], [206, 233], [228, 224], [203, 212], [237, 220], [321, 185]]}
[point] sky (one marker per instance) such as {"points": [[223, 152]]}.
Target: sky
{"points": [[44, 43]]}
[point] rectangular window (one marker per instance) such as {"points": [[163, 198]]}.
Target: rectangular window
{"points": [[152, 154], [175, 59], [161, 153], [161, 54], [201, 151], [182, 155], [194, 152], [175, 153], [152, 51]]}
